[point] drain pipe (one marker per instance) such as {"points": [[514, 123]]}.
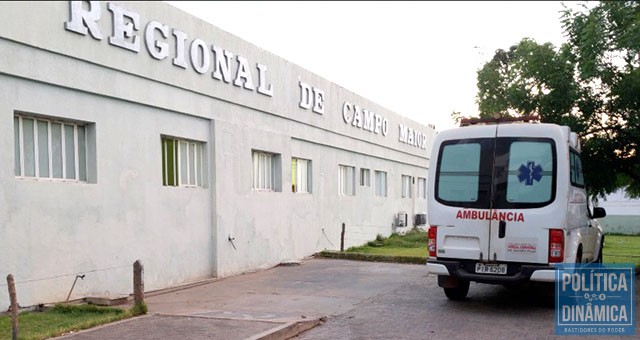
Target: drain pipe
{"points": [[74, 284]]}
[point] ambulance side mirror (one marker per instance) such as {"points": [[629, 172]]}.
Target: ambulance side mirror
{"points": [[599, 212]]}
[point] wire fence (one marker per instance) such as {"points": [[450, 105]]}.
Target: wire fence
{"points": [[354, 235], [67, 275], [102, 283]]}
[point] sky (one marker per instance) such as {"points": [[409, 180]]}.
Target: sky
{"points": [[417, 59]]}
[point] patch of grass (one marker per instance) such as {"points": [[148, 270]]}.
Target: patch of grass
{"points": [[139, 308], [61, 319], [389, 251], [621, 249], [617, 248], [412, 244]]}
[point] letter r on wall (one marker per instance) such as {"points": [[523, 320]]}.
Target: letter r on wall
{"points": [[82, 21]]}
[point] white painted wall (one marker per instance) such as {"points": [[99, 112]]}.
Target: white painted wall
{"points": [[623, 213], [618, 203], [53, 230]]}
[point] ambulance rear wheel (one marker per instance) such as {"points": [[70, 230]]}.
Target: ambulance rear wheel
{"points": [[457, 293], [579, 255]]}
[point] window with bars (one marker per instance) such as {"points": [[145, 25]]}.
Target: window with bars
{"points": [[422, 188], [50, 148], [347, 180], [300, 175], [365, 177], [406, 186], [182, 163], [381, 183], [265, 171]]}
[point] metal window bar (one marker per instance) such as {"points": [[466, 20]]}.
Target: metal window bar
{"points": [[340, 180], [64, 151], [50, 150], [76, 152], [21, 129], [36, 153], [301, 175], [165, 164]]}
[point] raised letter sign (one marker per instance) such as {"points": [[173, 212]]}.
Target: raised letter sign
{"points": [[122, 31], [199, 54], [221, 64], [243, 77], [305, 95], [369, 118], [357, 116], [364, 119], [81, 19], [318, 96], [181, 38], [346, 107], [262, 81], [158, 49], [312, 97]]}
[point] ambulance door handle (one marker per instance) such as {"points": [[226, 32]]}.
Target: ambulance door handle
{"points": [[502, 228]]}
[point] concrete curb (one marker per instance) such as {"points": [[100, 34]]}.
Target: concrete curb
{"points": [[288, 330], [371, 258], [96, 328]]}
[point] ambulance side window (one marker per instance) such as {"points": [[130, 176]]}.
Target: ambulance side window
{"points": [[576, 170], [458, 177]]}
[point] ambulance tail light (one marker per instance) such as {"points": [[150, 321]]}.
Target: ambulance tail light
{"points": [[431, 242], [556, 245]]}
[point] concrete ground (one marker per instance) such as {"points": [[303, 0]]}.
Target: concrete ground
{"points": [[272, 304]]}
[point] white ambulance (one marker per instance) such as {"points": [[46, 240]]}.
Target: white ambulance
{"points": [[507, 202]]}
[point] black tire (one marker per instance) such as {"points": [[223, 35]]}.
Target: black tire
{"points": [[458, 293], [579, 256]]}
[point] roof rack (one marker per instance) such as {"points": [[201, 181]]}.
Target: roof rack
{"points": [[498, 120]]}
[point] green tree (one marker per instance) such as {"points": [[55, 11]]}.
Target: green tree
{"points": [[590, 83]]}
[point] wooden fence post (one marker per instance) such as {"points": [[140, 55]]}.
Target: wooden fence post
{"points": [[14, 307], [138, 282]]}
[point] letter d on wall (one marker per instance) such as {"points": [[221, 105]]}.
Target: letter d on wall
{"points": [[305, 95]]}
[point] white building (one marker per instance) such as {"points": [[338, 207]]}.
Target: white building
{"points": [[623, 213], [136, 131]]}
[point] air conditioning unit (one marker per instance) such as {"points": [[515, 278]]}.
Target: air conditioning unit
{"points": [[401, 219], [420, 219]]}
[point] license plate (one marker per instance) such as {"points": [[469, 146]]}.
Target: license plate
{"points": [[500, 269]]}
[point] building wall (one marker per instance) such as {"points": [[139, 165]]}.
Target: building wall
{"points": [[54, 230], [623, 214]]}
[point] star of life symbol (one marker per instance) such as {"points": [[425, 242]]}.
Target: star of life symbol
{"points": [[527, 173]]}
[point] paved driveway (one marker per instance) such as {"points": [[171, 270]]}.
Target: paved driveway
{"points": [[354, 300], [272, 303]]}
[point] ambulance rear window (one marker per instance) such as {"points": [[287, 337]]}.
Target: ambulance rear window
{"points": [[530, 177], [498, 173], [460, 172], [463, 173]]}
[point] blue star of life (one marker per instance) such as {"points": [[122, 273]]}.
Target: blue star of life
{"points": [[529, 172]]}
